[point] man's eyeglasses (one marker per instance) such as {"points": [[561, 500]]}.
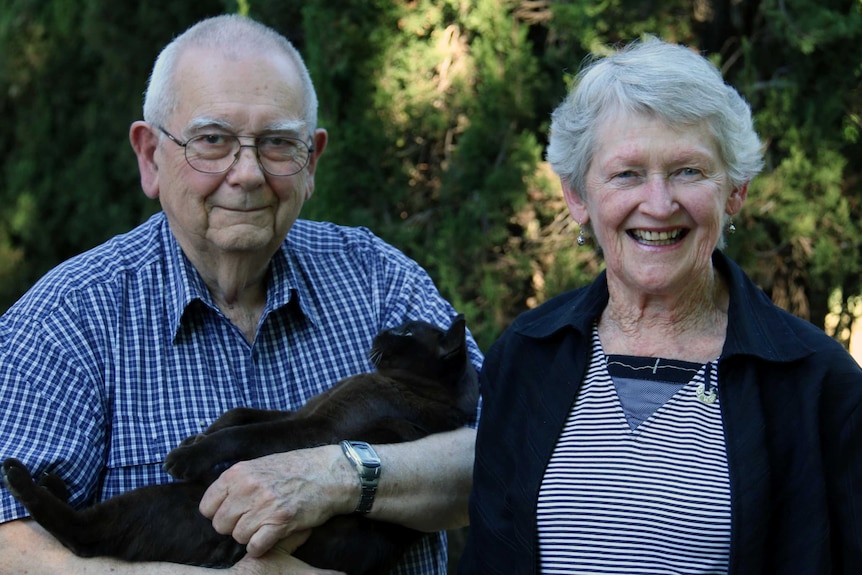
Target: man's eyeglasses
{"points": [[217, 153]]}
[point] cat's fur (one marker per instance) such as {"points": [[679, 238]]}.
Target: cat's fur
{"points": [[424, 384]]}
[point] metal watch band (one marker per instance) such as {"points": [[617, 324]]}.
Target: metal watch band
{"points": [[367, 464], [366, 499]]}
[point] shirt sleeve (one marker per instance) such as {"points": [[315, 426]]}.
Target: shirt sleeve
{"points": [[406, 291], [51, 418]]}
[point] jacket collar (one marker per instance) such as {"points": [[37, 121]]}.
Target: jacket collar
{"points": [[577, 310], [756, 327]]}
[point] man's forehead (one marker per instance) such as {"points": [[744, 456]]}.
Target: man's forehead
{"points": [[214, 88], [201, 60]]}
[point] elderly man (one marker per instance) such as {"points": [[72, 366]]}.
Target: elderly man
{"points": [[223, 299]]}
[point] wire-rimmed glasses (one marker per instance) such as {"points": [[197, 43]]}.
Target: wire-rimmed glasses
{"points": [[217, 153]]}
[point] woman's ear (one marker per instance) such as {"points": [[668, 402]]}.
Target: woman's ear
{"points": [[577, 205], [144, 141], [736, 199]]}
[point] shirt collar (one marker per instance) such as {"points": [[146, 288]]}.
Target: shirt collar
{"points": [[755, 325], [187, 284], [287, 283], [284, 282]]}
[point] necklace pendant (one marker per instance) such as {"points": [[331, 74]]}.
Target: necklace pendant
{"points": [[705, 396]]}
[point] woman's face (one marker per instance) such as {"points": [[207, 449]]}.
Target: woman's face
{"points": [[656, 197]]}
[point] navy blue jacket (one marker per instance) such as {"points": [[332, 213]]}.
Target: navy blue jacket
{"points": [[791, 403]]}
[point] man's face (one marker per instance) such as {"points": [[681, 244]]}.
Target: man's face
{"points": [[243, 209]]}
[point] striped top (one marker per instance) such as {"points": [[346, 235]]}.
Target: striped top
{"points": [[650, 499]]}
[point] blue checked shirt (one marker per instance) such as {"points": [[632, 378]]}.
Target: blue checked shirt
{"points": [[118, 354]]}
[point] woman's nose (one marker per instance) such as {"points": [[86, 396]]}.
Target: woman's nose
{"points": [[659, 198]]}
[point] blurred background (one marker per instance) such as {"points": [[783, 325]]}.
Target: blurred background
{"points": [[437, 113]]}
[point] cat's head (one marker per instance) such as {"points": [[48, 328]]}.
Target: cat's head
{"points": [[422, 348]]}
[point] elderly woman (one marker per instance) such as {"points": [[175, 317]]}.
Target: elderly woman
{"points": [[666, 418]]}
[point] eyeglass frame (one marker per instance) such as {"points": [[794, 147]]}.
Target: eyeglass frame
{"points": [[184, 146]]}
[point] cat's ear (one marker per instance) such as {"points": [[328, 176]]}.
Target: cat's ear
{"points": [[454, 338]]}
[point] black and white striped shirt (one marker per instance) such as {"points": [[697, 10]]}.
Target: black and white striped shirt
{"points": [[650, 497]]}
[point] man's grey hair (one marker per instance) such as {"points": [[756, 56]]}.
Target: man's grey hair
{"points": [[230, 34]]}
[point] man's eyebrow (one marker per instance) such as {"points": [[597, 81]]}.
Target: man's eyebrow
{"points": [[292, 126], [204, 122]]}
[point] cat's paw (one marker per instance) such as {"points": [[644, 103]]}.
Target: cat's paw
{"points": [[55, 486], [192, 439], [17, 479], [188, 461]]}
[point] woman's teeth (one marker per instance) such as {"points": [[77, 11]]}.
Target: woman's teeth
{"points": [[656, 238]]}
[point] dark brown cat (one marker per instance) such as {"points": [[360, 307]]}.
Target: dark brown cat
{"points": [[424, 384]]}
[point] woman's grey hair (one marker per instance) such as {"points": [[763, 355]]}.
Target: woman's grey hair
{"points": [[652, 77], [231, 34]]}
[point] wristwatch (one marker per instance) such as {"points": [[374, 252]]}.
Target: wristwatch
{"points": [[363, 457]]}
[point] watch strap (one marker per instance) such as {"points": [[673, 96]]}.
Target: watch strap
{"points": [[366, 499], [367, 465]]}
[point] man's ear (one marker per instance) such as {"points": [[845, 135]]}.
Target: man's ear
{"points": [[577, 206], [319, 140], [736, 199], [144, 141]]}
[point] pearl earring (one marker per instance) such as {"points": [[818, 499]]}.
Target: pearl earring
{"points": [[731, 228]]}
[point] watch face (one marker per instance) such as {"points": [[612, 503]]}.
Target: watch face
{"points": [[366, 455]]}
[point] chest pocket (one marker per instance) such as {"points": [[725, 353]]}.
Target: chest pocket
{"points": [[137, 448]]}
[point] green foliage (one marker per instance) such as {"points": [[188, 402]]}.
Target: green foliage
{"points": [[594, 26], [802, 75], [344, 43]]}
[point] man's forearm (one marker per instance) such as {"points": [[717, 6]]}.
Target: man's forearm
{"points": [[425, 484], [27, 548]]}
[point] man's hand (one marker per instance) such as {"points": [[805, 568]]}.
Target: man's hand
{"points": [[263, 501]]}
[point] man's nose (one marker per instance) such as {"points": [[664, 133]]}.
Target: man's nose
{"points": [[249, 161]]}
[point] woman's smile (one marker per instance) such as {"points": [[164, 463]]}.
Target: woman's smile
{"points": [[658, 238]]}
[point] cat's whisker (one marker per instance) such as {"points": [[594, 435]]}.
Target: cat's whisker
{"points": [[375, 355]]}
